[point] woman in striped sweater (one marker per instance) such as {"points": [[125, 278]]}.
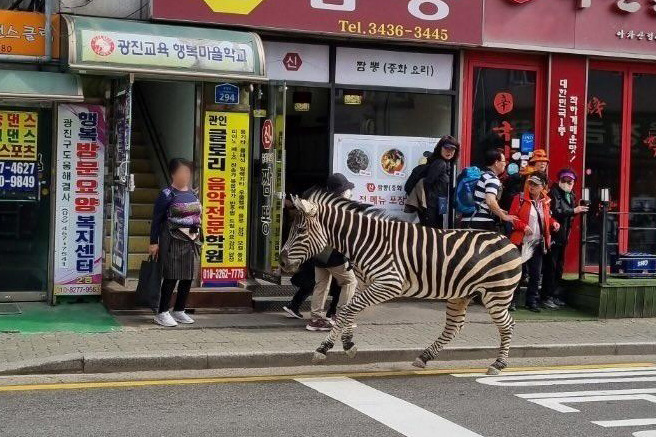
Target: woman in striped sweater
{"points": [[175, 241]]}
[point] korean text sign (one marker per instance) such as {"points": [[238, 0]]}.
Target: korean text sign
{"points": [[225, 197], [617, 26], [18, 136], [23, 34], [379, 166], [394, 69], [81, 142], [437, 21], [167, 52]]}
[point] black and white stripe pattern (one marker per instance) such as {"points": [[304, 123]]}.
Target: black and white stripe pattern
{"points": [[397, 259]]}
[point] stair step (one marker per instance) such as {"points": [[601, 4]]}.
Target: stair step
{"points": [[141, 211], [137, 227], [145, 180], [140, 165], [138, 152], [135, 243], [144, 195], [135, 259]]}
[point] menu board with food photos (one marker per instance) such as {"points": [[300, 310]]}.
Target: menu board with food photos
{"points": [[380, 165]]}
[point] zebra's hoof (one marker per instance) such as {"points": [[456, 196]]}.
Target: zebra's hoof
{"points": [[493, 371], [418, 362], [318, 358], [352, 352]]}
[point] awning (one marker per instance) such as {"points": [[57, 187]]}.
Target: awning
{"points": [[109, 46], [40, 86]]}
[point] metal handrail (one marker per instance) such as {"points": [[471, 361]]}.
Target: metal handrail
{"points": [[153, 136], [603, 240]]}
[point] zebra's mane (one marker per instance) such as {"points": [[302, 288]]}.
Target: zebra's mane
{"points": [[325, 197]]}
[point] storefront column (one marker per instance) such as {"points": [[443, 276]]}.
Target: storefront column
{"points": [[566, 133]]}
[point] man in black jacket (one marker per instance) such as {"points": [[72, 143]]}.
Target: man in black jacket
{"points": [[563, 209]]}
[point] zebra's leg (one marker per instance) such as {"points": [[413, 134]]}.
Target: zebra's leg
{"points": [[497, 305], [456, 309], [374, 294]]}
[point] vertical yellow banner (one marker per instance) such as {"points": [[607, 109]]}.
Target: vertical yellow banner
{"points": [[225, 197]]}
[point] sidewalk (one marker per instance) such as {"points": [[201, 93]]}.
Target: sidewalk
{"points": [[395, 330]]}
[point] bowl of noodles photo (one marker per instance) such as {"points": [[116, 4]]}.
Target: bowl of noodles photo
{"points": [[392, 162], [357, 162]]}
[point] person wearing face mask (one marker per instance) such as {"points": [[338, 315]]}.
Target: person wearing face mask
{"points": [[563, 209], [331, 264]]}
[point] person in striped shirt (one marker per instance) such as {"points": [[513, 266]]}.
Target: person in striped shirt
{"points": [[487, 193]]}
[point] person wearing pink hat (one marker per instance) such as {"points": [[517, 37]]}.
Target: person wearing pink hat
{"points": [[563, 209]]}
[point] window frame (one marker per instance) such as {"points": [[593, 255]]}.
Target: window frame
{"points": [[628, 70], [523, 62]]}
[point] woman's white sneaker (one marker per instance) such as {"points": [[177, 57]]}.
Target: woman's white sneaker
{"points": [[182, 317], [165, 319]]}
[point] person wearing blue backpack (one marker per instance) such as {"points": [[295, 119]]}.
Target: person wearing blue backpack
{"points": [[478, 191]]}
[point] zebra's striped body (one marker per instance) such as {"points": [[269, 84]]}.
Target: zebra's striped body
{"points": [[397, 258]]}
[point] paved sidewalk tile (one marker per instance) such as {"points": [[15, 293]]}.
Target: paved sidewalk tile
{"points": [[394, 325]]}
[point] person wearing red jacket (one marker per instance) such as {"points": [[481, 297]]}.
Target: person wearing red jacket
{"points": [[532, 231]]}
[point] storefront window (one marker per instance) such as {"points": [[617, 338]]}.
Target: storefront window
{"points": [[503, 111], [392, 113], [25, 202], [643, 165], [603, 151]]}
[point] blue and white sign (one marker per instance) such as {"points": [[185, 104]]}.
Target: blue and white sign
{"points": [[528, 143], [19, 180], [226, 94]]}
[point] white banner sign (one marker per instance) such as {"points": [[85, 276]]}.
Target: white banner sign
{"points": [[297, 62], [379, 166], [161, 51], [81, 142], [393, 69]]}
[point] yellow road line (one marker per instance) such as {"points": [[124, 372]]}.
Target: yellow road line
{"points": [[279, 378]]}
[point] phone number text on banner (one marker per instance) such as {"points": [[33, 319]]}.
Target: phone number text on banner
{"points": [[225, 197], [81, 142]]}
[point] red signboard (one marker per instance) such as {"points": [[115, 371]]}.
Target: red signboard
{"points": [[615, 26], [567, 114], [437, 21]]}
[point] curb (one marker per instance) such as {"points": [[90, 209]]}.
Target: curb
{"points": [[130, 362]]}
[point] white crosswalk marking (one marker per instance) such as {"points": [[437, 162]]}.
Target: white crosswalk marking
{"points": [[651, 433], [568, 379], [556, 404], [630, 422], [399, 415], [511, 374], [557, 400]]}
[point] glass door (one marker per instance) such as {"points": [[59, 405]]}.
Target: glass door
{"points": [[120, 160], [25, 175], [269, 181], [603, 154]]}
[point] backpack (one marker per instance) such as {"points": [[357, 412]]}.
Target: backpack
{"points": [[465, 187], [417, 174]]}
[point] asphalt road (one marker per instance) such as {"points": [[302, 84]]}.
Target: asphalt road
{"points": [[599, 402]]}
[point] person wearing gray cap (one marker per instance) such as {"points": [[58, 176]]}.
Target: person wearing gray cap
{"points": [[532, 232]]}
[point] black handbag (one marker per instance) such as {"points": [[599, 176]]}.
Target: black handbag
{"points": [[150, 282]]}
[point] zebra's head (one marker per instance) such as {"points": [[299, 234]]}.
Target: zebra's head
{"points": [[307, 237]]}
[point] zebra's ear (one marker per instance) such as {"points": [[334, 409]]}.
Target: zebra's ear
{"points": [[308, 208]]}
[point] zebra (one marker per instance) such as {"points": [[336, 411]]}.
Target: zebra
{"points": [[400, 259]]}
